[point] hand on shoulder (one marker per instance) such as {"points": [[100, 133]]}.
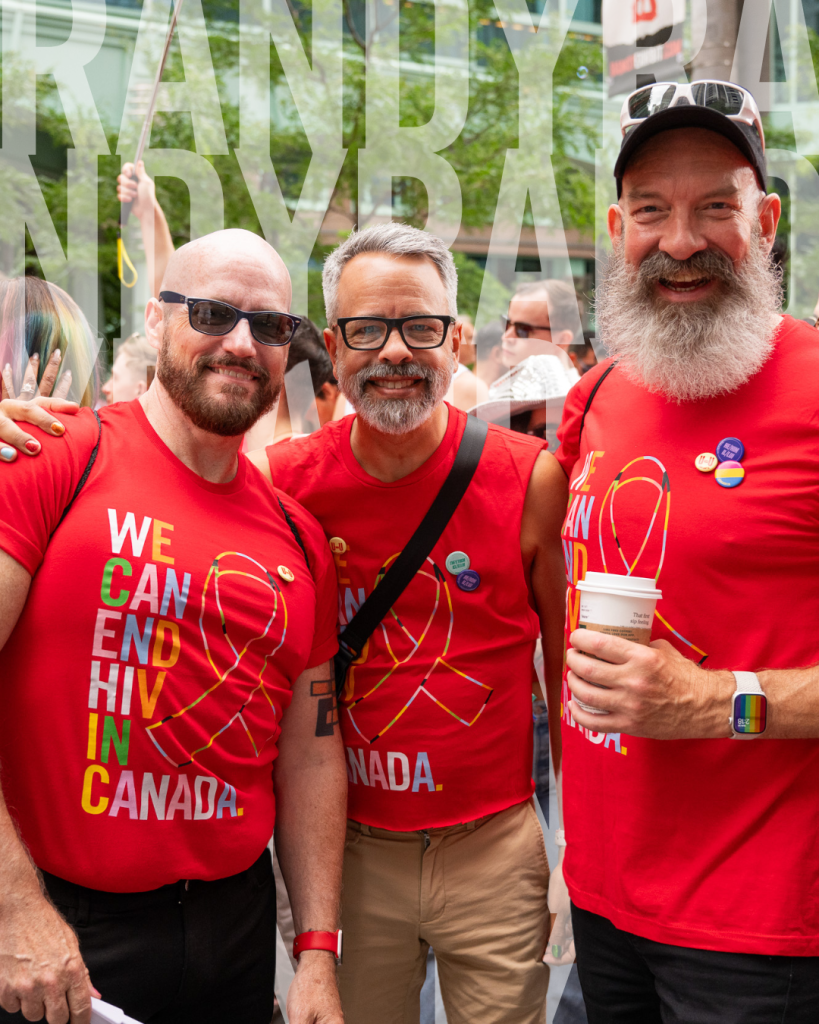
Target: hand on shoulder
{"points": [[41, 413]]}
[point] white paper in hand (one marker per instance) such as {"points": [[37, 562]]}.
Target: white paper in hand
{"points": [[105, 1013]]}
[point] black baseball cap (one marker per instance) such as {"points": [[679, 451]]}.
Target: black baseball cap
{"points": [[746, 137]]}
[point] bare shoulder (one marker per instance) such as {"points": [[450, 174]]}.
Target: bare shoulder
{"points": [[261, 462], [546, 497], [548, 479]]}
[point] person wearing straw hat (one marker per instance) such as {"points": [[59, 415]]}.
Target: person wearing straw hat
{"points": [[691, 764], [529, 398]]}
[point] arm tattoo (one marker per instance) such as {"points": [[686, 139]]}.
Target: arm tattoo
{"points": [[327, 716]]}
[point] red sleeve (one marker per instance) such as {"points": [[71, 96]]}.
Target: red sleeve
{"points": [[323, 571], [35, 491], [568, 433]]}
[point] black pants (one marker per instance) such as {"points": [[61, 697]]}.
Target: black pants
{"points": [[188, 953], [630, 980]]}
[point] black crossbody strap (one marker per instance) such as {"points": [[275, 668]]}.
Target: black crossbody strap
{"points": [[590, 399], [89, 466], [398, 577]]}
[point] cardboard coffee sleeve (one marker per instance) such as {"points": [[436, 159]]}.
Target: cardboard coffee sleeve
{"points": [[618, 605]]}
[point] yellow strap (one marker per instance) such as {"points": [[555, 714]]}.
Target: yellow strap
{"points": [[122, 256]]}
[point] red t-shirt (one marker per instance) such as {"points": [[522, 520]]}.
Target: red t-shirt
{"points": [[709, 843], [143, 686], [437, 718]]}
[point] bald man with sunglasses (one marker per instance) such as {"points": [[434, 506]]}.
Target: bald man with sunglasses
{"points": [[188, 656]]}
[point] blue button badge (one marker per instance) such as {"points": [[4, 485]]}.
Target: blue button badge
{"points": [[468, 580], [730, 449]]}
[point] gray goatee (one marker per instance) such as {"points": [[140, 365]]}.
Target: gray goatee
{"points": [[394, 415], [689, 351]]}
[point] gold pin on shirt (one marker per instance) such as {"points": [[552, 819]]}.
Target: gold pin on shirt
{"points": [[286, 574]]}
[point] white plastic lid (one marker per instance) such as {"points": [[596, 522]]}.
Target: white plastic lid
{"points": [[611, 583]]}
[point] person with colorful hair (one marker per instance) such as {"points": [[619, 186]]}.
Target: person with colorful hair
{"points": [[47, 348]]}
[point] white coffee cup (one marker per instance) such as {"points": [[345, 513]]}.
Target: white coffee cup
{"points": [[618, 605]]}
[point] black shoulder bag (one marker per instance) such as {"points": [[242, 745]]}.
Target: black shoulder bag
{"points": [[365, 621]]}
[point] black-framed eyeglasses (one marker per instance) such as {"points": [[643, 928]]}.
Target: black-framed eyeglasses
{"points": [[215, 318], [370, 333], [521, 330]]}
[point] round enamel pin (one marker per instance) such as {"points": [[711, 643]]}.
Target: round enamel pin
{"points": [[456, 562], [468, 580], [286, 574], [730, 449], [730, 474]]}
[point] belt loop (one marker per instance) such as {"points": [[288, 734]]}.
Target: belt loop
{"points": [[365, 829], [477, 822], [83, 909]]}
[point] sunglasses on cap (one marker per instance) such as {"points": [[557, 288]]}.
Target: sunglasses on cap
{"points": [[215, 318], [734, 102], [521, 330]]}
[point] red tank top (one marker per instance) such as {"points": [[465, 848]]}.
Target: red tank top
{"points": [[436, 717]]}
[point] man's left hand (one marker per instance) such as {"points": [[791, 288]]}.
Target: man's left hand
{"points": [[649, 691], [313, 997]]}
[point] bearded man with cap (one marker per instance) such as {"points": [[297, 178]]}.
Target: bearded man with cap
{"points": [[691, 857]]}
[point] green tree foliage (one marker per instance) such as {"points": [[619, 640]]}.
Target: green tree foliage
{"points": [[477, 155]]}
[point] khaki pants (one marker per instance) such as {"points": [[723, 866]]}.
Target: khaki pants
{"points": [[475, 892]]}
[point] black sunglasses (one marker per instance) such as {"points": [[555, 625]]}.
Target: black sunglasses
{"points": [[370, 333], [521, 330], [210, 316]]}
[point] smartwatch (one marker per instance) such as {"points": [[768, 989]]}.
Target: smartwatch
{"points": [[749, 707], [329, 941]]}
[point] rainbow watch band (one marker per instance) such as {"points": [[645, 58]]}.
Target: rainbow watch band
{"points": [[749, 707]]}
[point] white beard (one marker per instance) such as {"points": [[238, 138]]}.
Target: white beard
{"points": [[689, 351]]}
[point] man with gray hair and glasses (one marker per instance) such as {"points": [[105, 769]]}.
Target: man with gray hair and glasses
{"points": [[444, 848]]}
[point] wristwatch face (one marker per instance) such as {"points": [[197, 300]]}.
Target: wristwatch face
{"points": [[750, 713]]}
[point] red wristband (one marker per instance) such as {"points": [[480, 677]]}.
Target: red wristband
{"points": [[329, 941]]}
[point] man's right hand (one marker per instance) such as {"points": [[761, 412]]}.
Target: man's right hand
{"points": [[41, 970]]}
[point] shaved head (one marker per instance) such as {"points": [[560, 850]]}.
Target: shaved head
{"points": [[244, 257], [224, 382]]}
